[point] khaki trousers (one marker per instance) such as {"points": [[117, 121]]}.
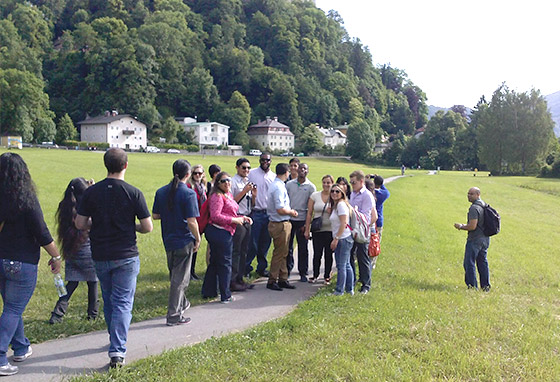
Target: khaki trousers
{"points": [[280, 234]]}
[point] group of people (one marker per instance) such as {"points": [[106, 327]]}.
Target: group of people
{"points": [[97, 225]]}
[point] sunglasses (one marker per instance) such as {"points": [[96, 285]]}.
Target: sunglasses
{"points": [[265, 160], [336, 191], [246, 167], [197, 173], [228, 180], [353, 181]]}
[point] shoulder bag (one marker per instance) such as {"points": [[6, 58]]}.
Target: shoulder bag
{"points": [[317, 223]]}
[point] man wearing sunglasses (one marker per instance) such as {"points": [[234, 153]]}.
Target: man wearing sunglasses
{"points": [[243, 194], [261, 177]]}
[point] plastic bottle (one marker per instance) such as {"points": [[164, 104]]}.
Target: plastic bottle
{"points": [[59, 284]]}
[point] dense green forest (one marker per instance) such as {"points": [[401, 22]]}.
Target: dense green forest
{"points": [[234, 61]]}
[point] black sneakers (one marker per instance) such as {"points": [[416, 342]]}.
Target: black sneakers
{"points": [[116, 362]]}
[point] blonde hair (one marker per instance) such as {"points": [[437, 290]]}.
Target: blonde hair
{"points": [[202, 178], [343, 197]]}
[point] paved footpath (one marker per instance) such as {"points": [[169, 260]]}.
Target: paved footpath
{"points": [[81, 354]]}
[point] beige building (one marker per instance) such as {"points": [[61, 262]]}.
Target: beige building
{"points": [[123, 131], [272, 134]]}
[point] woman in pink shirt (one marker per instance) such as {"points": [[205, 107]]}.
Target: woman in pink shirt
{"points": [[219, 233]]}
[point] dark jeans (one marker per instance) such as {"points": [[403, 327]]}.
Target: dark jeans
{"points": [[219, 267], [179, 266], [93, 299], [322, 243], [240, 248], [260, 242], [17, 283], [303, 252], [476, 252], [360, 252]]}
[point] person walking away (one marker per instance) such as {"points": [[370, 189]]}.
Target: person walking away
{"points": [[299, 190], [113, 206], [23, 232], [176, 206], [75, 247], [243, 195], [261, 177], [279, 228], [364, 201], [197, 182], [219, 233], [476, 249], [319, 206], [342, 240]]}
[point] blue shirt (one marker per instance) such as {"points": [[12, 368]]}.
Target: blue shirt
{"points": [[381, 194], [277, 198], [174, 227]]}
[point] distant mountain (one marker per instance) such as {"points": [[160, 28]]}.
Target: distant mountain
{"points": [[432, 110], [553, 101]]}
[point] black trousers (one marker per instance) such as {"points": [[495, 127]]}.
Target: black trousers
{"points": [[241, 240], [322, 244], [360, 253], [303, 253]]}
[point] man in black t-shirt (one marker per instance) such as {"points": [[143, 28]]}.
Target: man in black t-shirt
{"points": [[113, 206]]}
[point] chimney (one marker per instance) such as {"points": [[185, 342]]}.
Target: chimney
{"points": [[107, 113], [276, 119], [114, 113]]}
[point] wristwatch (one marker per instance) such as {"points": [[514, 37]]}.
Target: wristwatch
{"points": [[337, 238]]}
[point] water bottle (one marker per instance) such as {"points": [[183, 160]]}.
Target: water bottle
{"points": [[59, 284]]}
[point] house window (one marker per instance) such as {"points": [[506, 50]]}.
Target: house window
{"points": [[205, 129]]}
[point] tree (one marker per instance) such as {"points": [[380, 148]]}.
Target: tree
{"points": [[237, 114], [170, 129], [360, 139], [24, 106], [514, 131], [311, 139], [65, 129]]}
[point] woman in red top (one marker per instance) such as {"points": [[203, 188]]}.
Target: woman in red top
{"points": [[219, 233]]}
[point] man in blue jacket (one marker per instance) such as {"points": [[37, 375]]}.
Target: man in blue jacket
{"points": [[381, 194]]}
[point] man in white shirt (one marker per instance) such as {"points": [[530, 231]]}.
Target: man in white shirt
{"points": [[243, 194], [261, 177], [299, 191]]}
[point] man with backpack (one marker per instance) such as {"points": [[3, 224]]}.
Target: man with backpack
{"points": [[365, 202], [478, 241]]}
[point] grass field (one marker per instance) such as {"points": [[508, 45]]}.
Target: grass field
{"points": [[419, 322], [51, 171]]}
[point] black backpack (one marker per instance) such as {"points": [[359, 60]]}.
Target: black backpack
{"points": [[491, 224]]}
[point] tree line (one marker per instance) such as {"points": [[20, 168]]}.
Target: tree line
{"points": [[232, 61], [510, 134]]}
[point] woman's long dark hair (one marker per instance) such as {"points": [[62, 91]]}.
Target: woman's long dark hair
{"points": [[216, 189], [69, 237], [17, 191], [181, 168], [342, 179]]}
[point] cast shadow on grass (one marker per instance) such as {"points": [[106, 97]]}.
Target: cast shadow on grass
{"points": [[425, 285]]}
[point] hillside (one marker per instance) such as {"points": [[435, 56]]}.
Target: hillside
{"points": [[230, 61], [553, 101]]}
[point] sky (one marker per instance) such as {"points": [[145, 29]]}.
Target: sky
{"points": [[457, 51]]}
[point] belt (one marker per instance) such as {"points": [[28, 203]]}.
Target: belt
{"points": [[259, 211]]}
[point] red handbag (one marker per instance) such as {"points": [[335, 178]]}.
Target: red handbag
{"points": [[374, 244]]}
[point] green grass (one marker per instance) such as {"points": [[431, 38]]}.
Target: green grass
{"points": [[51, 171], [419, 322]]}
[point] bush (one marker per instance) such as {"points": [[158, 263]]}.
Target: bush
{"points": [[85, 145], [193, 148]]}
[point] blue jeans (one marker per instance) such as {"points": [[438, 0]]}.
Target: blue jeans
{"points": [[118, 285], [260, 242], [475, 254], [17, 283], [219, 266], [345, 277]]}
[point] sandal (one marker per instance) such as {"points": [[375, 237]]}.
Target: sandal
{"points": [[312, 280], [327, 281]]}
